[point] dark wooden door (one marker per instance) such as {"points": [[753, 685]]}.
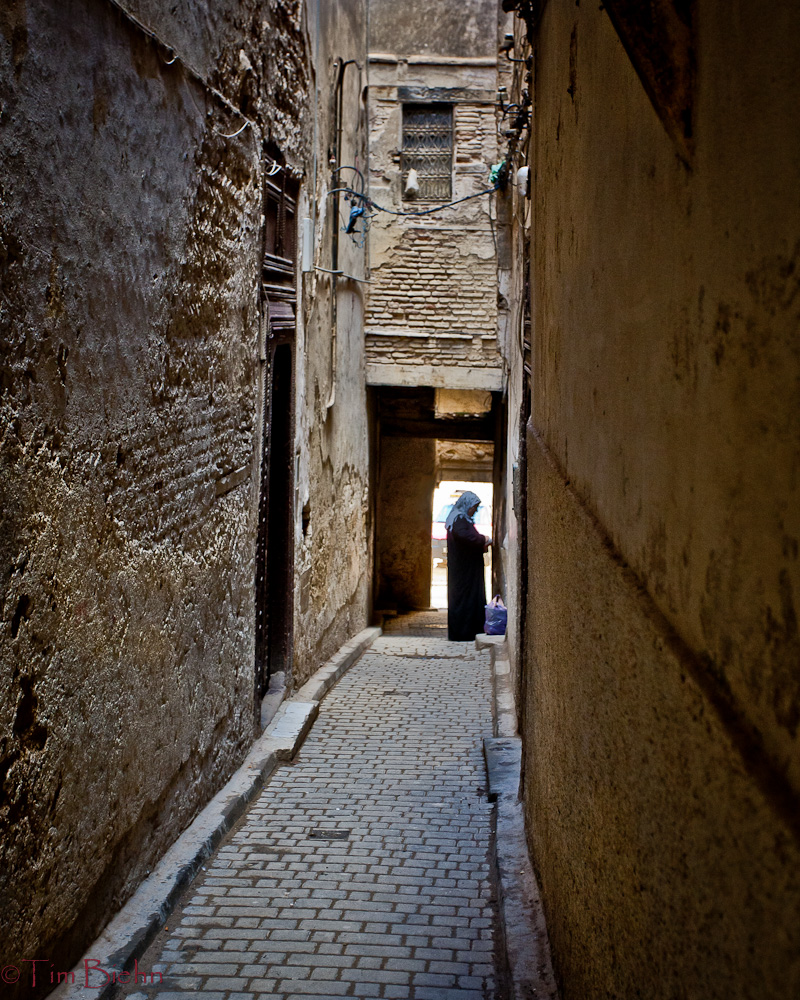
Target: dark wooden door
{"points": [[275, 544]]}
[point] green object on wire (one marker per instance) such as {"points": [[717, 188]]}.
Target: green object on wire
{"points": [[494, 173]]}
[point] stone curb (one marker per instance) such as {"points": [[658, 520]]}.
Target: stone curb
{"points": [[484, 641], [129, 933], [526, 940], [323, 680], [504, 708]]}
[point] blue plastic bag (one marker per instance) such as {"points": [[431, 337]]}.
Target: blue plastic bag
{"points": [[496, 617]]}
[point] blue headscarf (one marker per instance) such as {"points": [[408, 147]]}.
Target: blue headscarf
{"points": [[462, 506]]}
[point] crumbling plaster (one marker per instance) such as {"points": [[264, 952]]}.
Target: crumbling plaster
{"points": [[433, 297], [332, 524], [460, 28]]}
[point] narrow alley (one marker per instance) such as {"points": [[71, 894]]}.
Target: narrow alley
{"points": [[331, 330], [363, 868]]}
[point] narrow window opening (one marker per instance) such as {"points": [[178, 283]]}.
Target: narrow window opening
{"points": [[428, 149]]}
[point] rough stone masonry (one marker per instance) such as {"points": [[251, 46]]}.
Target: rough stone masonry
{"points": [[131, 233]]}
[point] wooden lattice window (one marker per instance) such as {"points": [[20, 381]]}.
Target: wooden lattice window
{"points": [[428, 149], [280, 240]]}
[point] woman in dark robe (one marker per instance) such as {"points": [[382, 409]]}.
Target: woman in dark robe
{"points": [[466, 592]]}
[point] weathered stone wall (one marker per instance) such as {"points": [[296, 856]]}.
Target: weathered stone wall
{"points": [[332, 525], [512, 229], [434, 278], [461, 28], [131, 393], [438, 274], [465, 461], [662, 767]]}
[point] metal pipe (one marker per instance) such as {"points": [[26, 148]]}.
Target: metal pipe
{"points": [[344, 274], [338, 111]]}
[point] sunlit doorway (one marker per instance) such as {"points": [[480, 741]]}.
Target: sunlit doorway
{"points": [[444, 496]]}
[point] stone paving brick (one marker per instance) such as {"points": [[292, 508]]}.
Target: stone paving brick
{"points": [[402, 906], [226, 983], [315, 989], [178, 995]]}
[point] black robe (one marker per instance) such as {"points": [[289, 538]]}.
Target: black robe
{"points": [[466, 592]]}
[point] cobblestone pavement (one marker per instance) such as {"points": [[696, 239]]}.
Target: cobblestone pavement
{"points": [[362, 869]]}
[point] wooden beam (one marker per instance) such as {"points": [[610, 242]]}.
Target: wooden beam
{"points": [[461, 429]]}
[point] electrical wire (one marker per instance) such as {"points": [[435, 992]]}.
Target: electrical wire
{"points": [[428, 211], [371, 208], [187, 67], [355, 170], [216, 131], [344, 274], [234, 134]]}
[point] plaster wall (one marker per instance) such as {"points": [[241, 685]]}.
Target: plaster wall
{"points": [[664, 869], [663, 697], [332, 515], [461, 28]]}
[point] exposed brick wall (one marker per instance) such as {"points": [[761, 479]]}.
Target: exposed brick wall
{"points": [[475, 134], [444, 351], [434, 281], [198, 441], [434, 275]]}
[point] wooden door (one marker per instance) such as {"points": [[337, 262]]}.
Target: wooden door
{"points": [[275, 545]]}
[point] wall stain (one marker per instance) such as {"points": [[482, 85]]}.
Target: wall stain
{"points": [[722, 333], [13, 24], [775, 284], [783, 643], [573, 67]]}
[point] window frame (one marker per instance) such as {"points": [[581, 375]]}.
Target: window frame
{"points": [[410, 159]]}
